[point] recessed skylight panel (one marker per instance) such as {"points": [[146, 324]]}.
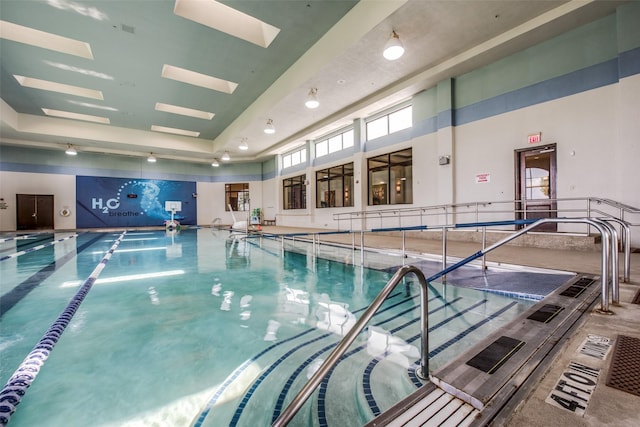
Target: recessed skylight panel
{"points": [[228, 20], [198, 79], [58, 87], [174, 109], [30, 36], [76, 116], [175, 131]]}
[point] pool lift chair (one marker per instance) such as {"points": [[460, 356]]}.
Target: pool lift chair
{"points": [[238, 229]]}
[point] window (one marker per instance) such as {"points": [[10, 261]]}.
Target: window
{"points": [[294, 158], [390, 178], [294, 192], [334, 186], [236, 195], [390, 123], [335, 143]]}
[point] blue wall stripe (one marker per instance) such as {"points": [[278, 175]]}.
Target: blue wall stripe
{"points": [[629, 62], [593, 77]]}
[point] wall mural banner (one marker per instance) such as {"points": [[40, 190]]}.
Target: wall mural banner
{"points": [[125, 202]]}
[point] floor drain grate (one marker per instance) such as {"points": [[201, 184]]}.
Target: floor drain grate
{"points": [[625, 365]]}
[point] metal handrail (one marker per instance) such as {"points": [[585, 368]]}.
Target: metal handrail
{"points": [[566, 207], [331, 361]]}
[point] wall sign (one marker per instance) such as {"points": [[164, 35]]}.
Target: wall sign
{"points": [[110, 202], [483, 178]]}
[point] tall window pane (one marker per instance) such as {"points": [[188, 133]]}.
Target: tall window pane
{"points": [[294, 192], [347, 139], [335, 143], [391, 178], [334, 186]]}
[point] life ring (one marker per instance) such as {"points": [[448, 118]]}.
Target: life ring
{"points": [[65, 212]]}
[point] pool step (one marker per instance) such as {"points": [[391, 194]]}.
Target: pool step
{"points": [[429, 405], [487, 367]]}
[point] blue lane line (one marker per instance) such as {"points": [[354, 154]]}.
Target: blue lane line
{"points": [[236, 373], [15, 295], [36, 248]]}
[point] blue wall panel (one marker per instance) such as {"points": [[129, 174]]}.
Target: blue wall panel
{"points": [[122, 202]]}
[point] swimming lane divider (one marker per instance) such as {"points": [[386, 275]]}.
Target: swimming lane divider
{"points": [[36, 248], [16, 387]]}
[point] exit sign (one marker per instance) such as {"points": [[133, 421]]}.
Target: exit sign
{"points": [[534, 138]]}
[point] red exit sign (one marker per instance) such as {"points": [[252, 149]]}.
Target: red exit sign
{"points": [[534, 138]]}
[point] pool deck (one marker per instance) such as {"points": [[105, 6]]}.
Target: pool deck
{"points": [[605, 405]]}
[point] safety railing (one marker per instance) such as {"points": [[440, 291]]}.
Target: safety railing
{"points": [[422, 371], [482, 211], [608, 273]]}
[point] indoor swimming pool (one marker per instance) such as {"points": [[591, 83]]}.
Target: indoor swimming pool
{"points": [[200, 328]]}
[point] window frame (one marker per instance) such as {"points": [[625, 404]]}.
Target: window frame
{"points": [[386, 117], [326, 141], [341, 193], [231, 189], [379, 190], [289, 185]]}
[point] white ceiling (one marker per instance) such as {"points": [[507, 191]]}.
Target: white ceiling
{"points": [[332, 45]]}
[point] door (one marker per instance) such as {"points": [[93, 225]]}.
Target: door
{"points": [[536, 185], [34, 211]]}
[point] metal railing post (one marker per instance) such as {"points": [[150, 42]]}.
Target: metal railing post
{"points": [[444, 252], [484, 245]]}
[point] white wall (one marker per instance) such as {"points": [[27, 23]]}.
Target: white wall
{"points": [[62, 187]]}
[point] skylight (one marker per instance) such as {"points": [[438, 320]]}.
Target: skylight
{"points": [[228, 20], [197, 79], [198, 114], [76, 116], [175, 131], [26, 35], [58, 87]]}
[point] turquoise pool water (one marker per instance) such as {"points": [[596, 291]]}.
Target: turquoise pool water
{"points": [[197, 328]]}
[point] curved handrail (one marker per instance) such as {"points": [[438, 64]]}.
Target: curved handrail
{"points": [[423, 371]]}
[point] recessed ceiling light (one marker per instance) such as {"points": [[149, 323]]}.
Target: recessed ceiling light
{"points": [[30, 36], [76, 116], [197, 79], [58, 87], [198, 114], [175, 131], [228, 20]]}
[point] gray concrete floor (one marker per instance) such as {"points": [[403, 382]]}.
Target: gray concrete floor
{"points": [[606, 406]]}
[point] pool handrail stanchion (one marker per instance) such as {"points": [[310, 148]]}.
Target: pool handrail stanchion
{"points": [[333, 358]]}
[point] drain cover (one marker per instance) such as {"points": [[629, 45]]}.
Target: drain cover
{"points": [[625, 365]]}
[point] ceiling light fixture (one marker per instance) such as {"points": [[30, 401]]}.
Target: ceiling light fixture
{"points": [[151, 158], [71, 151], [243, 145], [269, 128], [393, 49], [312, 99], [215, 163], [226, 156]]}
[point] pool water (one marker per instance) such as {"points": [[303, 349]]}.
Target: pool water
{"points": [[199, 328]]}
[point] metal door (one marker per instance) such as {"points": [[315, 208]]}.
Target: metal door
{"points": [[536, 184], [34, 211]]}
